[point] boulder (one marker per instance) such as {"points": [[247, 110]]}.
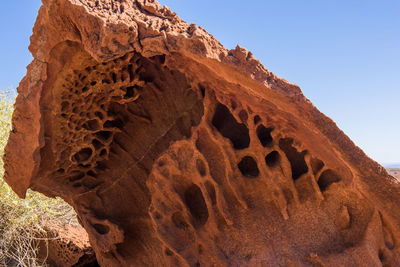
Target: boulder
{"points": [[66, 245], [175, 151]]}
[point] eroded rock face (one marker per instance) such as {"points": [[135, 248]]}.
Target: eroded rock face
{"points": [[66, 245], [177, 152]]}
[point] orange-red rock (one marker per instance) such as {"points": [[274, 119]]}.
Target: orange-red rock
{"points": [[66, 245], [177, 152]]}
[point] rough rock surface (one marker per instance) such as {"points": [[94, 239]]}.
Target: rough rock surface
{"points": [[66, 245], [177, 152]]}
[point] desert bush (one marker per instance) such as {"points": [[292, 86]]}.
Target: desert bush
{"points": [[22, 220]]}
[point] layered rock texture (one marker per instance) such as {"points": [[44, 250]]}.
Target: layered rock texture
{"points": [[177, 152]]}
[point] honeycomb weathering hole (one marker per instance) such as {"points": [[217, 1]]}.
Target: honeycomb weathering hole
{"points": [[257, 119], [296, 158], [92, 125], [243, 116], [327, 178], [227, 125], [248, 167], [194, 200], [264, 135], [101, 229], [83, 155], [272, 159], [201, 167], [316, 165]]}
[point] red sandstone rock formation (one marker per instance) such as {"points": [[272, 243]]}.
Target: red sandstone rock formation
{"points": [[177, 152], [66, 245]]}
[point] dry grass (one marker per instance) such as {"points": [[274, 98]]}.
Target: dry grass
{"points": [[21, 220]]}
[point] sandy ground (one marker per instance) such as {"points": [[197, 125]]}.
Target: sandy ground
{"points": [[395, 172]]}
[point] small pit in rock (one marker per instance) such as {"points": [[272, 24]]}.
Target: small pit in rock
{"points": [[296, 158], [248, 167], [264, 135], [83, 155], [227, 125], [327, 178], [272, 159], [197, 206]]}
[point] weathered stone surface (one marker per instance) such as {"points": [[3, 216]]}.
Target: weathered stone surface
{"points": [[66, 245], [177, 152]]}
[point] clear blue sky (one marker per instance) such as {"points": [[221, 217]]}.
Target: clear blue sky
{"points": [[345, 54]]}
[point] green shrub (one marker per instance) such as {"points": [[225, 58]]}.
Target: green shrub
{"points": [[22, 220]]}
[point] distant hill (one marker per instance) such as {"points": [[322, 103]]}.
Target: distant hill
{"points": [[395, 172]]}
